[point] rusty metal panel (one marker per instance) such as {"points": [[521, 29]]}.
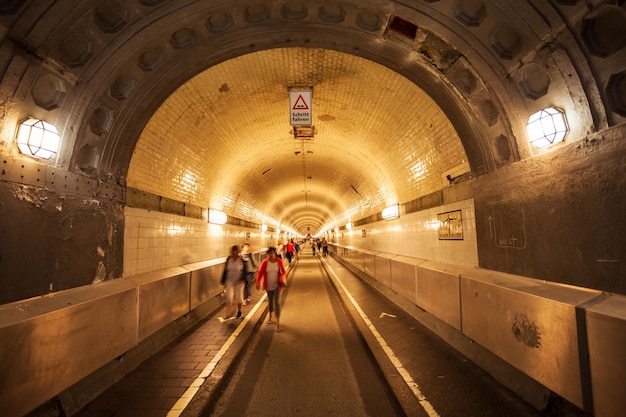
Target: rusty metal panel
{"points": [[23, 171], [438, 292], [529, 323], [172, 206], [606, 332], [163, 298], [403, 278], [57, 340], [62, 181], [109, 191], [141, 199], [193, 211]]}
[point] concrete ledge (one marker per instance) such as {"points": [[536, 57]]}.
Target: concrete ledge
{"points": [[50, 344], [531, 324], [42, 336], [525, 387], [566, 339], [606, 332], [163, 296], [439, 291]]}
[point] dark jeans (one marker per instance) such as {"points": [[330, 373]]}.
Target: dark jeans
{"points": [[246, 288]]}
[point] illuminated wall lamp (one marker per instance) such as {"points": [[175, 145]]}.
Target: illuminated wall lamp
{"points": [[547, 127], [38, 138], [349, 226], [391, 212], [217, 217], [264, 228]]}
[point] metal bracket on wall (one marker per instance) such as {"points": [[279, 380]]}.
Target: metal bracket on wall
{"points": [[26, 172]]}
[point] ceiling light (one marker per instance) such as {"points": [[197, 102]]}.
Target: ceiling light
{"points": [[38, 138], [547, 127], [217, 217], [391, 212]]}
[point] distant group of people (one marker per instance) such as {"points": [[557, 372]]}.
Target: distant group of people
{"points": [[290, 251], [240, 270], [321, 245]]}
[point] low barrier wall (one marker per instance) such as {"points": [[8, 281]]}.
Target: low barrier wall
{"points": [[569, 339], [50, 343]]}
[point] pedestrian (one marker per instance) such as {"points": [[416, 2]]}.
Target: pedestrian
{"points": [[289, 250], [272, 278], [313, 246], [248, 257], [324, 246], [296, 247], [279, 249], [234, 279]]}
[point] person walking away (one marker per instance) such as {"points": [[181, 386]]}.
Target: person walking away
{"points": [[313, 246], [272, 278], [234, 279], [248, 257], [324, 246], [279, 249], [289, 249], [296, 247]]}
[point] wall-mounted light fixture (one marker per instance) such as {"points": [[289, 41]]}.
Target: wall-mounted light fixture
{"points": [[38, 138], [264, 228], [217, 217], [336, 229], [391, 212], [349, 226], [547, 127]]}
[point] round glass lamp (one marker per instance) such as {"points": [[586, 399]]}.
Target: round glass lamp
{"points": [[38, 138], [547, 127]]}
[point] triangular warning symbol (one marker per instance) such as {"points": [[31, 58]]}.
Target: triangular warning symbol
{"points": [[300, 104]]}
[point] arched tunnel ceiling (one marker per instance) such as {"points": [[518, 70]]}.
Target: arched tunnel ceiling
{"points": [[223, 140], [100, 70]]}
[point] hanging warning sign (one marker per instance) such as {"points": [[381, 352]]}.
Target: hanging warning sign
{"points": [[300, 105]]}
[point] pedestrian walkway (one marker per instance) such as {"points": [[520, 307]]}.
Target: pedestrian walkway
{"points": [[429, 377], [163, 385]]}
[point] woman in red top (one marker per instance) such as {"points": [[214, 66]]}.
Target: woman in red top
{"points": [[272, 277]]}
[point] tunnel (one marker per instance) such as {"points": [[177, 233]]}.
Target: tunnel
{"points": [[179, 128]]}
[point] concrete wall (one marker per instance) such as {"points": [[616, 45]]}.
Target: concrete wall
{"points": [[39, 337], [569, 339]]}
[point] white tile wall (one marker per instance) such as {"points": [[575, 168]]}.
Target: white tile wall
{"points": [[154, 240], [416, 235]]}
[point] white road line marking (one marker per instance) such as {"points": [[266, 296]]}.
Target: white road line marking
{"points": [[413, 386], [182, 403]]}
